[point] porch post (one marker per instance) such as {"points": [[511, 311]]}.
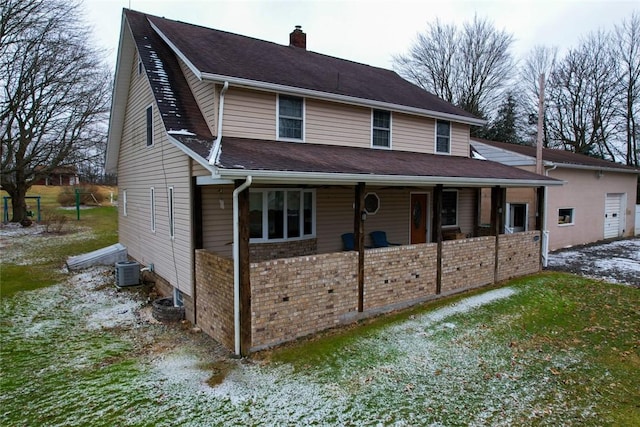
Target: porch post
{"points": [[437, 233], [540, 223], [540, 208], [245, 270], [498, 200], [358, 231]]}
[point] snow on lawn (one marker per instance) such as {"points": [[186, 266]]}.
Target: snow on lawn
{"points": [[414, 373], [615, 262], [92, 360]]}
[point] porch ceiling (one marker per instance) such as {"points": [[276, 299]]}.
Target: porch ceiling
{"points": [[290, 162]]}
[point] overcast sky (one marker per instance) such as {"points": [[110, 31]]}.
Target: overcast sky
{"points": [[370, 32]]}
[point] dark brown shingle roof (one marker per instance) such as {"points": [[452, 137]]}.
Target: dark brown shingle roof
{"points": [[174, 99], [556, 156], [260, 155], [226, 54]]}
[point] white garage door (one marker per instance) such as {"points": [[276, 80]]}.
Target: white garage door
{"points": [[613, 216]]}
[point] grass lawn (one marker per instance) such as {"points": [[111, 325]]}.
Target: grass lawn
{"points": [[35, 261], [549, 349]]}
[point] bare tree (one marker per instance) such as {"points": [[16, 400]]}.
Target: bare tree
{"points": [[627, 37], [583, 99], [55, 92], [469, 67], [540, 60]]}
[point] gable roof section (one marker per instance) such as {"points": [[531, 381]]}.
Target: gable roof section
{"points": [[175, 102], [301, 161], [219, 55], [558, 157]]}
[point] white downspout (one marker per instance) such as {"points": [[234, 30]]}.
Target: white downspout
{"points": [[545, 232], [236, 263], [214, 155]]}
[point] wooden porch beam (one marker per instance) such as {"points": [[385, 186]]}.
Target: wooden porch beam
{"points": [[498, 207], [245, 270], [437, 233], [540, 208], [358, 231]]}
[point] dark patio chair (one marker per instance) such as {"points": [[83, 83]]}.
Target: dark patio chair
{"points": [[379, 239], [348, 242]]}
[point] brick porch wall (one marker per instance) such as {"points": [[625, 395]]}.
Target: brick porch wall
{"points": [[268, 251], [518, 254], [399, 275], [467, 263], [214, 297], [294, 297]]}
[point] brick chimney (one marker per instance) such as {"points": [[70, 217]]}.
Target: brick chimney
{"points": [[298, 38]]}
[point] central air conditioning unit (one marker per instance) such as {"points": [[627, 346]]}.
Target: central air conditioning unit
{"points": [[127, 273]]}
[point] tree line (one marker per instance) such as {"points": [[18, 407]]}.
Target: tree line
{"points": [[592, 92]]}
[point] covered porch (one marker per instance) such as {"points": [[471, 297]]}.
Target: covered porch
{"points": [[276, 267]]}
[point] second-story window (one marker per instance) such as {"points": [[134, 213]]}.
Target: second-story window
{"points": [[381, 129], [290, 117], [443, 137]]}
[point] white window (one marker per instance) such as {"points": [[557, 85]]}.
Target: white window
{"points": [[449, 208], [443, 137], [149, 126], [565, 216], [381, 129], [172, 227], [124, 203], [290, 117], [276, 214], [152, 206]]}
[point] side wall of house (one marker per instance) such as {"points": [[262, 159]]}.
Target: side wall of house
{"points": [[585, 192], [252, 114], [205, 95], [159, 166]]}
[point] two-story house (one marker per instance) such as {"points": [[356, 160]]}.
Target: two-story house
{"points": [[252, 174]]}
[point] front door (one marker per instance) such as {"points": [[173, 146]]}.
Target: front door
{"points": [[418, 218]]}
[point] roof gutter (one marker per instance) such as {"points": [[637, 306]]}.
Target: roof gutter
{"points": [[287, 177], [214, 155], [236, 263], [593, 168]]}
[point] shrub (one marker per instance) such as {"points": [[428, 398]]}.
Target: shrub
{"points": [[53, 222], [89, 195]]}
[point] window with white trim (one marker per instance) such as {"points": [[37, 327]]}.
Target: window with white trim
{"points": [[449, 208], [281, 214], [565, 216], [290, 117], [381, 129], [149, 126], [172, 222], [124, 203], [443, 137], [152, 206]]}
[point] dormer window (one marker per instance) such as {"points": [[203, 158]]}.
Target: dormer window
{"points": [[443, 137], [290, 117], [381, 129]]}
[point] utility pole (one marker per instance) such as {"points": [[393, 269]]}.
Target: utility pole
{"points": [[540, 125]]}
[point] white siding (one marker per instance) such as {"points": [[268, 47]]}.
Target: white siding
{"points": [[159, 166]]}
